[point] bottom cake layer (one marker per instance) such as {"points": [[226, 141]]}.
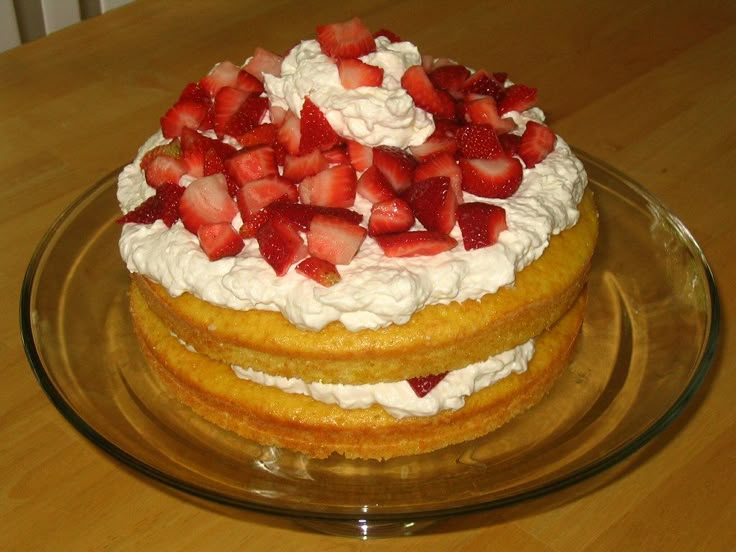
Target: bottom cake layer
{"points": [[272, 417]]}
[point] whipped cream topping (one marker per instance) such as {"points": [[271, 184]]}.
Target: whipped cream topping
{"points": [[398, 398]]}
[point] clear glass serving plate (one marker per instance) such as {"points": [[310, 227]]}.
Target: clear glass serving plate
{"points": [[632, 374]]}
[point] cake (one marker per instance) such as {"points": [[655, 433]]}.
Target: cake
{"points": [[355, 248]]}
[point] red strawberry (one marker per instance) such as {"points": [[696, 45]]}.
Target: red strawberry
{"points": [[251, 224], [444, 128], [301, 215], [425, 95], [389, 216], [212, 163], [172, 149], [316, 132], [219, 240], [227, 103], [482, 110], [510, 143], [396, 166], [354, 73], [334, 239], [264, 62], [392, 36], [374, 187], [421, 385], [183, 114], [323, 272], [206, 201], [337, 155], [249, 116], [480, 224], [222, 74], [483, 83], [289, 134], [518, 97], [194, 163], [280, 244], [442, 164], [361, 156], [299, 167], [277, 115], [162, 206], [257, 194], [434, 145], [536, 143], [333, 187], [415, 244], [261, 135], [479, 142], [491, 177], [434, 203], [248, 82], [350, 39], [191, 140], [163, 169], [251, 164], [450, 78], [196, 93]]}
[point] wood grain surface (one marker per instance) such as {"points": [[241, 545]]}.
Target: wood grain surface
{"points": [[648, 86]]}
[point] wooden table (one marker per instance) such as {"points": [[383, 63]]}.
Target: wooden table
{"points": [[650, 88]]}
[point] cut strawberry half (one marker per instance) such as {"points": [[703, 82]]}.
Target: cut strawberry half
{"points": [[183, 114], [289, 134], [227, 103], [334, 239], [301, 215], [249, 83], [222, 74], [450, 78], [374, 187], [498, 178], [251, 114], [195, 92], [349, 39], [257, 194], [280, 244], [434, 203], [536, 143], [392, 215], [482, 110], [434, 145], [261, 135], [517, 97], [333, 187], [355, 73], [251, 164], [422, 385], [299, 167], [323, 272], [479, 142], [415, 244], [162, 206], [164, 169], [219, 240], [361, 156], [442, 164], [262, 63], [172, 149], [396, 165], [206, 201], [425, 95], [480, 224], [481, 82], [315, 130]]}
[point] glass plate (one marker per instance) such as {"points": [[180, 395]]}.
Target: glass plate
{"points": [[632, 374]]}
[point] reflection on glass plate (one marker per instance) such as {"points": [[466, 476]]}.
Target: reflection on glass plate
{"points": [[632, 374]]}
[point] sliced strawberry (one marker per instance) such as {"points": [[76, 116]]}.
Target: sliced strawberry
{"points": [[444, 128], [162, 206], [206, 201], [251, 164], [337, 155], [536, 143], [434, 145], [250, 114], [498, 178], [257, 194], [251, 225], [479, 142], [392, 36], [222, 74], [289, 134], [227, 103], [361, 156], [261, 135], [219, 240], [277, 115], [374, 187], [510, 143], [248, 82], [172, 149], [164, 169], [480, 224], [195, 92], [433, 203], [191, 140], [482, 110], [212, 163], [323, 272], [333, 187], [481, 82], [396, 165], [315, 130], [442, 164], [354, 73], [349, 39], [392, 215], [183, 114], [421, 385], [280, 244], [415, 244], [334, 239], [299, 167], [450, 78], [425, 95], [194, 163], [301, 215], [264, 62], [517, 97]]}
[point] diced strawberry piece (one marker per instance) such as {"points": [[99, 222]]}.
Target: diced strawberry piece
{"points": [[517, 97], [444, 128], [315, 130], [248, 82], [323, 272], [183, 114], [337, 155], [251, 164], [162, 206], [206, 201], [450, 78], [334, 239], [227, 103], [481, 82], [498, 178], [483, 111], [374, 187], [442, 164], [261, 135], [212, 163], [194, 163], [191, 140], [510, 143], [361, 156], [425, 95], [289, 134], [280, 244], [219, 240], [195, 92], [415, 244], [172, 149], [434, 203], [277, 115], [349, 39], [163, 169], [389, 216], [257, 194], [222, 74], [333, 187], [434, 145], [250, 114], [479, 142], [354, 73], [301, 215], [299, 167], [536, 143], [251, 225], [396, 165], [392, 36], [264, 62], [422, 385], [480, 224]]}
